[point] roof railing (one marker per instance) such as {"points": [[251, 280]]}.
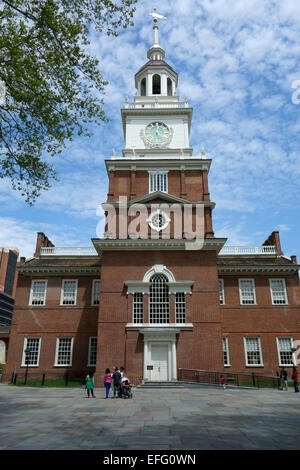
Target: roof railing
{"points": [[248, 250]]}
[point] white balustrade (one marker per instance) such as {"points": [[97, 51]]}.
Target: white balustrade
{"points": [[68, 251], [249, 250]]}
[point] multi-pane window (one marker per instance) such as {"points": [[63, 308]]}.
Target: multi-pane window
{"points": [[221, 292], [253, 351], [159, 303], [158, 181], [92, 351], [33, 356], [284, 345], [38, 293], [225, 351], [69, 292], [278, 292], [138, 307], [180, 308], [247, 292], [64, 348], [96, 292]]}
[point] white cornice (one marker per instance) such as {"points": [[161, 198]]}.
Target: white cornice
{"points": [[258, 269], [148, 164], [59, 270], [182, 244]]}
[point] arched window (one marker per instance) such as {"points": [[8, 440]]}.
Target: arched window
{"points": [[156, 84], [159, 302], [143, 87], [169, 87]]}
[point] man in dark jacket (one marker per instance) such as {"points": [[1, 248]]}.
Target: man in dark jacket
{"points": [[283, 380], [117, 383]]}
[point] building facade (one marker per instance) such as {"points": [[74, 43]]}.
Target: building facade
{"points": [[158, 292], [8, 283]]}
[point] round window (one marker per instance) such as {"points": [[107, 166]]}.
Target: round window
{"points": [[158, 220]]}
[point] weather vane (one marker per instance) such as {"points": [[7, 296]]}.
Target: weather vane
{"points": [[156, 16]]}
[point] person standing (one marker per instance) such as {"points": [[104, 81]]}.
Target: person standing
{"points": [[223, 383], [284, 380], [295, 379], [117, 382], [107, 381], [90, 384]]}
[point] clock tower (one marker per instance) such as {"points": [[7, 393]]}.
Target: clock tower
{"points": [[159, 308]]}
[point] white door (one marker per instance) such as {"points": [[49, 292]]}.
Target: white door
{"points": [[159, 361]]}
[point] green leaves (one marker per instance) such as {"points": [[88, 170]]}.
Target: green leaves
{"points": [[54, 88]]}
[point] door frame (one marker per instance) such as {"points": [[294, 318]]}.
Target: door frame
{"points": [[164, 336]]}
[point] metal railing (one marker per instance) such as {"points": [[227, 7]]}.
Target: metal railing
{"points": [[248, 250], [237, 379]]}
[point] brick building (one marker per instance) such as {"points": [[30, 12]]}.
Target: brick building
{"points": [[172, 294], [8, 284]]}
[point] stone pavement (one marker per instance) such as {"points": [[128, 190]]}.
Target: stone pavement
{"points": [[185, 419]]}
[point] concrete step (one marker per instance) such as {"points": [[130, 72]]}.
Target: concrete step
{"points": [[167, 385]]}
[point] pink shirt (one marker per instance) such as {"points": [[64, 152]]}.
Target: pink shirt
{"points": [[107, 378]]}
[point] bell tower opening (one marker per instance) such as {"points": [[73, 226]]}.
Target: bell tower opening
{"points": [[143, 87], [169, 87], [156, 85]]}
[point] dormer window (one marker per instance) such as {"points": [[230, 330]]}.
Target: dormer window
{"points": [[156, 86]]}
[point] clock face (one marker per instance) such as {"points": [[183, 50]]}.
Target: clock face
{"points": [[157, 132]]}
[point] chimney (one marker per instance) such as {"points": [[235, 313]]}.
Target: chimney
{"points": [[274, 240], [294, 259], [41, 242]]}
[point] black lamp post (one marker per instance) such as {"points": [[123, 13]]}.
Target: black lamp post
{"points": [[27, 357]]}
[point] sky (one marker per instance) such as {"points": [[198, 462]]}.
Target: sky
{"points": [[237, 61]]}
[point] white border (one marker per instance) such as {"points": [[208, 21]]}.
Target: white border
{"points": [[159, 172], [254, 291], [62, 293], [23, 363], [260, 352], [227, 351], [93, 289], [278, 350], [285, 291], [221, 280], [56, 351], [31, 292], [89, 352]]}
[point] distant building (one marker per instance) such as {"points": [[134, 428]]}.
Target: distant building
{"points": [[8, 283]]}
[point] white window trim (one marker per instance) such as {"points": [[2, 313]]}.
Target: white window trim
{"points": [[62, 293], [31, 292], [93, 290], [89, 352], [285, 291], [278, 350], [227, 350], [223, 291], [23, 363], [159, 172], [260, 352], [56, 351], [254, 290]]}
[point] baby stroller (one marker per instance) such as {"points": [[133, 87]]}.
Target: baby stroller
{"points": [[126, 389]]}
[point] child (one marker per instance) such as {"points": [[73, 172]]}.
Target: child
{"points": [[223, 382], [90, 385]]}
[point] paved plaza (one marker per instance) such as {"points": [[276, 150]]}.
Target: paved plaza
{"points": [[188, 418]]}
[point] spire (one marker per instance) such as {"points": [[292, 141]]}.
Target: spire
{"points": [[156, 52]]}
